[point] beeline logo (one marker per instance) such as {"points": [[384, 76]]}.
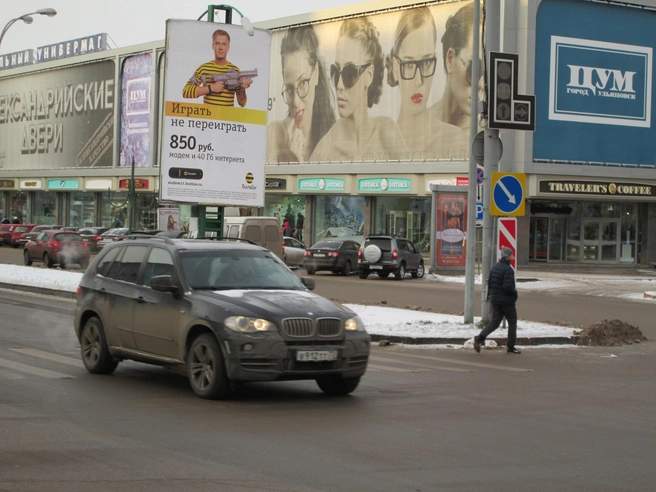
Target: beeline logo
{"points": [[594, 79]]}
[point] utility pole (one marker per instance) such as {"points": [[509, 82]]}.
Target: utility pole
{"points": [[492, 153], [471, 190]]}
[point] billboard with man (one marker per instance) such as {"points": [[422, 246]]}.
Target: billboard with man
{"points": [[214, 132]]}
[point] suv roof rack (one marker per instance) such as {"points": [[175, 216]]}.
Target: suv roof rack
{"points": [[224, 238], [167, 240]]}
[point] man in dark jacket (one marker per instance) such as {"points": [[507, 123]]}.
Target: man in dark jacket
{"points": [[503, 295]]}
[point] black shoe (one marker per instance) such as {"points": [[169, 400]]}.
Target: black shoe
{"points": [[477, 344], [513, 351]]}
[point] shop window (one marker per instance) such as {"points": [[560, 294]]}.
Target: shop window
{"points": [[407, 217], [339, 217], [44, 208]]}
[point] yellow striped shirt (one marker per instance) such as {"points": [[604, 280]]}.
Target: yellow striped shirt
{"points": [[225, 98]]}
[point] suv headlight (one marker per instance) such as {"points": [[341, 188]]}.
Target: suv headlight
{"points": [[354, 324], [244, 324]]}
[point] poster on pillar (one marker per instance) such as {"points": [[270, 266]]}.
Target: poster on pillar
{"points": [[215, 105], [451, 230]]}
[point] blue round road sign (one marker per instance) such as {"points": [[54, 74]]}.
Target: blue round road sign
{"points": [[508, 194]]}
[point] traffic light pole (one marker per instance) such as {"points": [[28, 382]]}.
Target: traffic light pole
{"points": [[491, 153], [471, 191]]}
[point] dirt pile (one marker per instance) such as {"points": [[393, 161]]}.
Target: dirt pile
{"points": [[610, 333]]}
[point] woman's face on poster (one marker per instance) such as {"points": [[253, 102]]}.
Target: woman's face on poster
{"points": [[461, 71], [300, 79], [350, 60], [414, 67]]}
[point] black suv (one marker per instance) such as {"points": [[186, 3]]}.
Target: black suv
{"points": [[221, 312], [389, 254]]}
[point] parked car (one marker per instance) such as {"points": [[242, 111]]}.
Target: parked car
{"points": [[112, 235], [19, 232], [222, 312], [29, 236], [293, 251], [5, 233], [54, 246], [389, 254], [335, 255], [91, 235]]}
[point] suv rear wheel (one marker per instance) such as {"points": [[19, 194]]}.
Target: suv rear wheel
{"points": [[337, 385], [27, 261], [207, 373], [400, 272]]}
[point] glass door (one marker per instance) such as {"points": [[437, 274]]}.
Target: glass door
{"points": [[557, 239], [538, 243], [610, 241], [601, 240]]}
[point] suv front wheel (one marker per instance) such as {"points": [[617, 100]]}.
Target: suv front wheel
{"points": [[337, 385], [207, 373], [420, 271]]}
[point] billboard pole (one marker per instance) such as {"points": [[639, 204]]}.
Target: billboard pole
{"points": [[491, 152], [471, 190]]}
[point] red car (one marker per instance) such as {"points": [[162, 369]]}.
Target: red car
{"points": [[54, 246], [5, 233], [19, 232]]}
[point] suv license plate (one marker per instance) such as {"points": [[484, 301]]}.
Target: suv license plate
{"points": [[316, 355], [375, 267]]}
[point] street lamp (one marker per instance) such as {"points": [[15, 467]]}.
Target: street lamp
{"points": [[248, 27], [27, 19]]}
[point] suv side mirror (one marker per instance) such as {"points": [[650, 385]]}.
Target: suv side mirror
{"points": [[308, 282], [163, 283]]}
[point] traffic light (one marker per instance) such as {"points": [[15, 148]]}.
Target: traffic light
{"points": [[508, 110]]}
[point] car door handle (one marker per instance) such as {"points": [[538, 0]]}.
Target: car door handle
{"points": [[103, 291], [141, 300]]}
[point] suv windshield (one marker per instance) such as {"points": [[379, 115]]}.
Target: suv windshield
{"points": [[220, 270]]}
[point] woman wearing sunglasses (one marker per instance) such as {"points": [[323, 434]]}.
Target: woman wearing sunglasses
{"points": [[411, 65], [357, 76], [457, 44], [307, 93]]}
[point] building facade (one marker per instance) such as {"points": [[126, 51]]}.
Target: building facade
{"points": [[368, 106]]}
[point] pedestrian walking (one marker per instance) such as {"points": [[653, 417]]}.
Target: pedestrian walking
{"points": [[502, 293]]}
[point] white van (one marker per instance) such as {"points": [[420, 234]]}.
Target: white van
{"points": [[265, 231]]}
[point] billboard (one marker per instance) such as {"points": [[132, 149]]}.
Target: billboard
{"points": [[394, 86], [594, 85], [214, 127], [58, 119], [136, 112]]}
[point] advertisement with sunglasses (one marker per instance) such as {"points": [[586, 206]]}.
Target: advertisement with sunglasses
{"points": [[374, 88]]}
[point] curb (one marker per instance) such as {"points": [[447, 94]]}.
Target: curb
{"points": [[38, 290], [524, 341]]}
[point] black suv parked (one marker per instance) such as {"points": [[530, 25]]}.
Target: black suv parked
{"points": [[388, 254], [221, 312]]}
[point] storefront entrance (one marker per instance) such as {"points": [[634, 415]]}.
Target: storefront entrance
{"points": [[601, 240], [549, 246]]}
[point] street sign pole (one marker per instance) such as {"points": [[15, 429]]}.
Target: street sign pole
{"points": [[491, 156], [471, 195]]}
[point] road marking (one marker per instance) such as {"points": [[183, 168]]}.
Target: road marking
{"points": [[395, 361], [42, 354], [475, 364], [10, 375], [35, 371], [387, 368]]}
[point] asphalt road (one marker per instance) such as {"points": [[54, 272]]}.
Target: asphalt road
{"points": [[421, 420]]}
